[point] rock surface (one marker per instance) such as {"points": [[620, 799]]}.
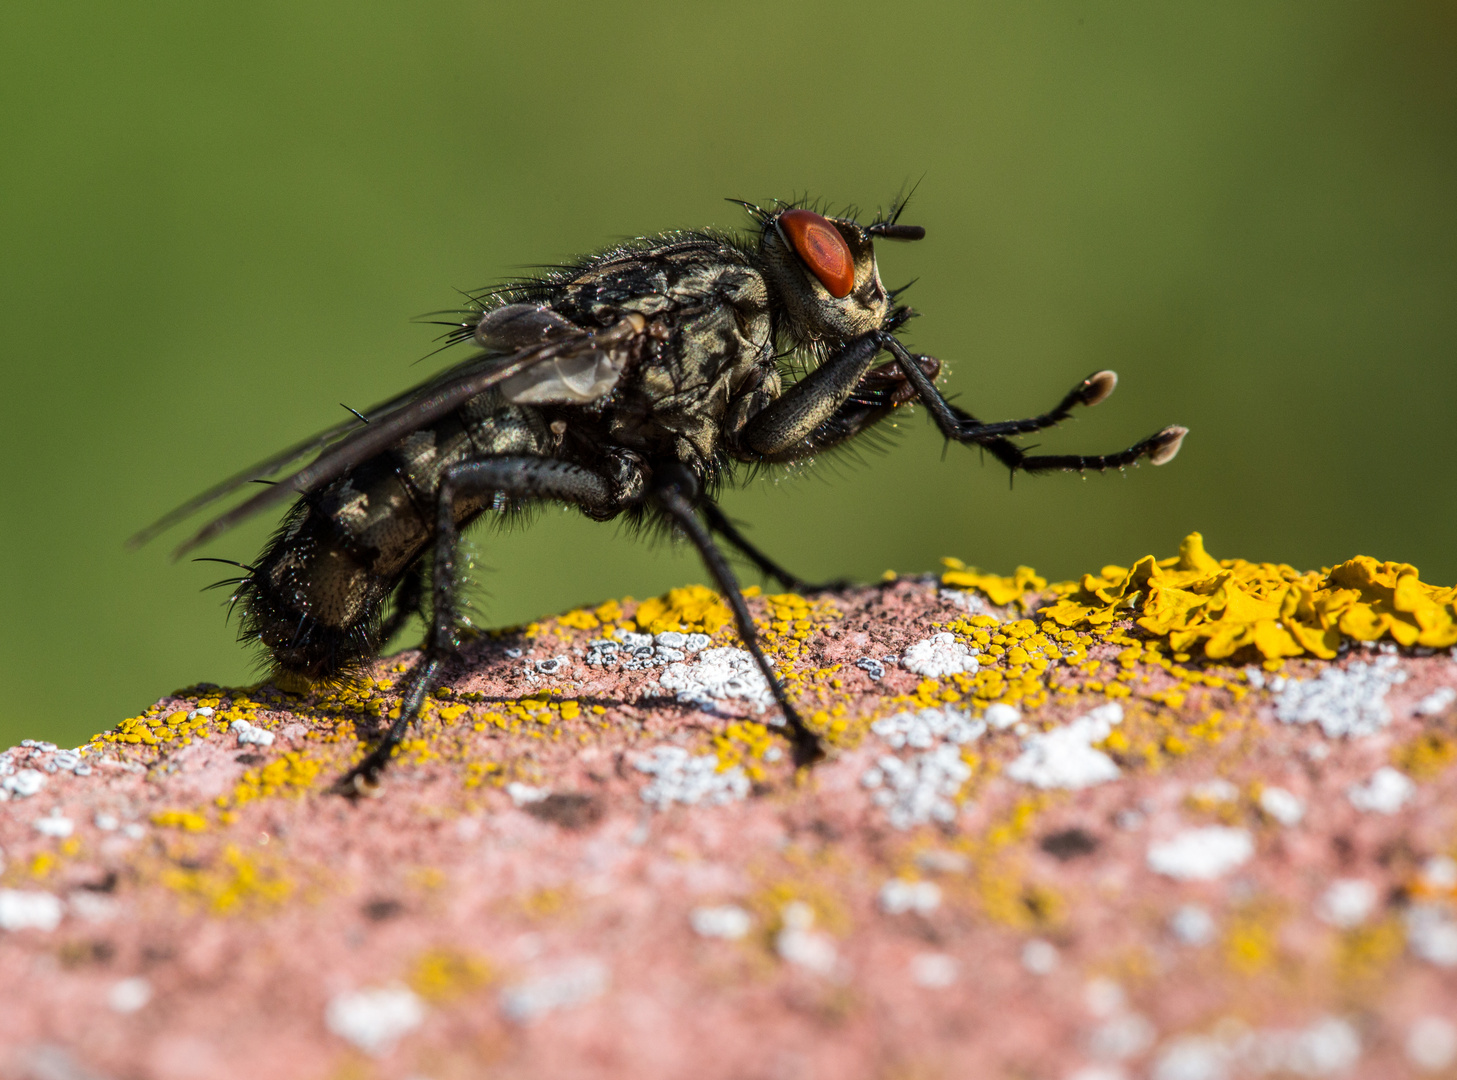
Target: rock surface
{"points": [[1035, 851]]}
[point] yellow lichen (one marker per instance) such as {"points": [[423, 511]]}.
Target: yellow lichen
{"points": [[1425, 756], [180, 819], [441, 974], [1226, 605], [744, 743], [1365, 952], [691, 608], [999, 590], [1249, 946], [289, 774], [237, 883]]}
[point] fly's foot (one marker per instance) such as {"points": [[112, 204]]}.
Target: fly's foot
{"points": [[806, 747], [362, 781]]}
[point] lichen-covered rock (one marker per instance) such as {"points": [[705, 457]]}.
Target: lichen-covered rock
{"points": [[1191, 819]]}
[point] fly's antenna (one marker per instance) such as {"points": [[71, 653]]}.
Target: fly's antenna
{"points": [[886, 224], [898, 204]]}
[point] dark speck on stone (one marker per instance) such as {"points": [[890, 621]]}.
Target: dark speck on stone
{"points": [[382, 908], [570, 810], [1069, 844]]}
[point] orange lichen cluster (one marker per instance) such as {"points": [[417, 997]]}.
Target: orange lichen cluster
{"points": [[1225, 605]]}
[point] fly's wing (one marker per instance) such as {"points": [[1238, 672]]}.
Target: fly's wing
{"points": [[347, 445], [270, 465]]}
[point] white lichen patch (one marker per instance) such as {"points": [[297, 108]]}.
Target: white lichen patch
{"points": [[727, 921], [54, 825], [23, 769], [1431, 1043], [1440, 872], [129, 995], [1065, 758], [919, 790], [1120, 1037], [1347, 903], [899, 896], [1218, 790], [1435, 703], [923, 730], [938, 656], [1385, 793], [799, 943], [1329, 1046], [934, 971], [1040, 957], [1201, 854], [1282, 806], [966, 601], [1000, 716], [525, 794], [1192, 1057], [633, 652], [1431, 933], [1192, 925], [577, 982], [718, 675], [681, 777], [29, 909], [374, 1020], [22, 783], [248, 735], [1348, 701]]}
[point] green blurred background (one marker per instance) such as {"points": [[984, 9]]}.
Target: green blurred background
{"points": [[218, 220]]}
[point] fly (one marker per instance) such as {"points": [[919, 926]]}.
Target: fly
{"points": [[631, 383]]}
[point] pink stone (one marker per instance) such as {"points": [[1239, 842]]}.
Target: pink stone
{"points": [[443, 929]]}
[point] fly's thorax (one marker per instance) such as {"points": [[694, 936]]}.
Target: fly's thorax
{"points": [[824, 274], [705, 359]]}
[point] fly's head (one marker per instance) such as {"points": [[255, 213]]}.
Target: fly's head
{"points": [[823, 271]]}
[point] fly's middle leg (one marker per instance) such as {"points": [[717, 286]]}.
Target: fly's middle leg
{"points": [[518, 477], [675, 491]]}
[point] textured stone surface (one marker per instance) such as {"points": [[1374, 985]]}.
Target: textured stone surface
{"points": [[1070, 862]]}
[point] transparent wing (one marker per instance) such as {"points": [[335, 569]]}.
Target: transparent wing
{"points": [[349, 443]]}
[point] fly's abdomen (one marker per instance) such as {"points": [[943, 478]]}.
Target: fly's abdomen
{"points": [[316, 595], [310, 602]]}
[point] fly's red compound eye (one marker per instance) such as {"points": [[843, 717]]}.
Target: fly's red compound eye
{"points": [[822, 248]]}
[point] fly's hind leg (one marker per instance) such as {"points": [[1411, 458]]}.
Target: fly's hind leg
{"points": [[720, 523], [517, 477], [409, 597]]}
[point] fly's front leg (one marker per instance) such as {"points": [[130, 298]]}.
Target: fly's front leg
{"points": [[784, 429], [518, 477], [960, 426], [675, 492]]}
